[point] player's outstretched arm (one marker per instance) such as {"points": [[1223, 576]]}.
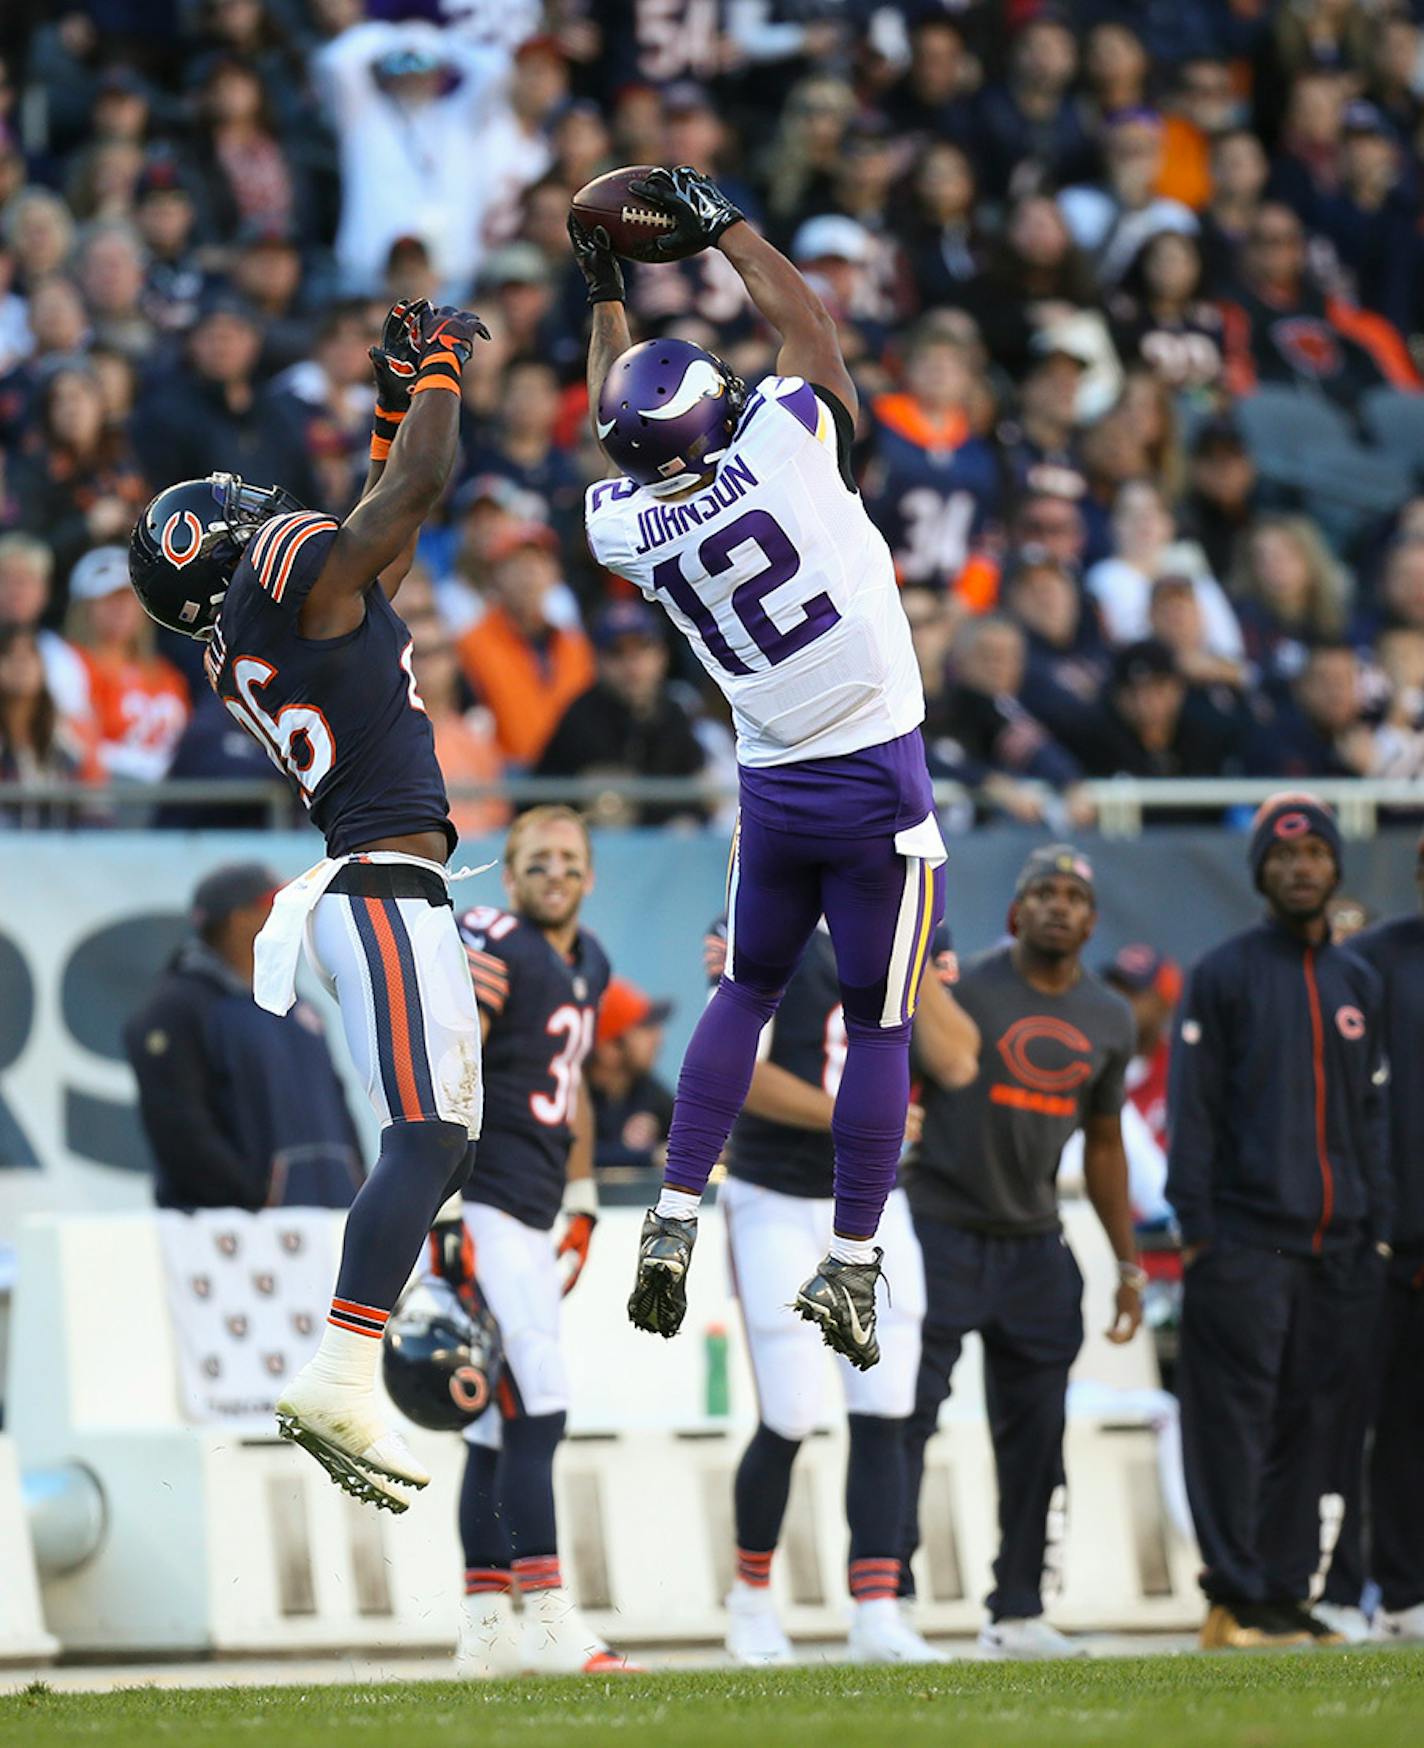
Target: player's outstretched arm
{"points": [[810, 346], [379, 529], [603, 276]]}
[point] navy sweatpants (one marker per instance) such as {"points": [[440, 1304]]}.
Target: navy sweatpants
{"points": [[1270, 1345], [1024, 1296], [1382, 1479]]}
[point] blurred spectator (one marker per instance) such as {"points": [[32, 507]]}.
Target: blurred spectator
{"points": [[1239, 172], [464, 737], [1401, 586], [1039, 442], [1220, 499], [524, 669], [1028, 131], [931, 484], [1115, 68], [1144, 551], [941, 235], [514, 145], [214, 416], [1149, 723], [1161, 319], [628, 723], [1111, 220], [1199, 106], [408, 103], [26, 604], [266, 275], [139, 701], [1175, 619], [167, 218], [1035, 274], [1309, 163], [59, 327], [112, 272], [1283, 328], [1290, 594], [247, 177], [242, 1108], [983, 712], [521, 444], [1370, 219], [800, 164], [632, 1109], [1321, 730], [79, 485], [40, 229], [37, 745], [1066, 657]]}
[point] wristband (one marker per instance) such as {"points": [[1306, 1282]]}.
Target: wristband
{"points": [[1132, 1274], [581, 1197], [438, 370]]}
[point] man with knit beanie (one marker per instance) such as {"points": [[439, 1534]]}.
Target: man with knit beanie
{"points": [[1277, 1170]]}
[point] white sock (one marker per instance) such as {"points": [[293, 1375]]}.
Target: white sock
{"points": [[677, 1205], [347, 1359], [852, 1249]]}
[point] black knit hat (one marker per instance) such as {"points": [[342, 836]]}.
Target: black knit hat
{"points": [[1292, 815], [1051, 859]]}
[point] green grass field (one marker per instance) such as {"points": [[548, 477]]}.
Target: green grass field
{"points": [[1356, 1699]]}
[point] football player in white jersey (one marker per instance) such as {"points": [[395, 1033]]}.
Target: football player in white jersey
{"points": [[738, 512]]}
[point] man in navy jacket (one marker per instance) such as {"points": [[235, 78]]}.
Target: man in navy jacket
{"points": [[1392, 1384], [1278, 1172], [242, 1108]]}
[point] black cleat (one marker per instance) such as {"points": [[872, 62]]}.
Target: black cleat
{"points": [[1296, 1617], [840, 1297], [658, 1302]]}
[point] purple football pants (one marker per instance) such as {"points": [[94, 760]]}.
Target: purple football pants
{"points": [[881, 908]]}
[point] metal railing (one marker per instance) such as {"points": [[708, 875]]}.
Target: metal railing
{"points": [[1122, 804]]}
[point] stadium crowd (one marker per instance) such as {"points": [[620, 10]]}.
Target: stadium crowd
{"points": [[1131, 293]]}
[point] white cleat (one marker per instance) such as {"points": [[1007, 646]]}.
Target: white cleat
{"points": [[1026, 1640], [754, 1632], [1352, 1624], [341, 1426], [489, 1647], [557, 1640], [1403, 1626], [879, 1633]]}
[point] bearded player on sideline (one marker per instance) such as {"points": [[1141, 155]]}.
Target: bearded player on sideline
{"points": [[307, 652], [539, 977], [739, 514]]}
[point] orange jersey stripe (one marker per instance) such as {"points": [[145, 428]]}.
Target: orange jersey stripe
{"points": [[289, 558], [400, 1014]]}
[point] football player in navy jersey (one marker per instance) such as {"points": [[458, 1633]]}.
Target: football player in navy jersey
{"points": [[539, 978], [307, 652], [777, 1203]]}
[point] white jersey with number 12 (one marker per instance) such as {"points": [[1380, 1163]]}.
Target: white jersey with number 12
{"points": [[779, 580]]}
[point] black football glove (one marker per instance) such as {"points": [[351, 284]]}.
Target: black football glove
{"points": [[701, 210], [600, 267], [395, 359]]}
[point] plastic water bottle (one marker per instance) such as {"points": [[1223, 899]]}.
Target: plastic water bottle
{"points": [[718, 1391]]}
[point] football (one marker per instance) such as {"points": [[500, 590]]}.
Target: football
{"points": [[633, 226]]}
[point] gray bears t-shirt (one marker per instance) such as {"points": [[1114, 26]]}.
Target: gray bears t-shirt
{"points": [[988, 1159]]}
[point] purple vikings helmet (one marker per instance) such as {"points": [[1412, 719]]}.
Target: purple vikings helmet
{"points": [[667, 411]]}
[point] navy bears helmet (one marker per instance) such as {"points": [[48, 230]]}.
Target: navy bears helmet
{"points": [[440, 1357], [186, 544]]}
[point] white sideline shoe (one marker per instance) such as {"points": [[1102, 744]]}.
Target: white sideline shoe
{"points": [[879, 1633], [1352, 1624], [557, 1640], [1405, 1627], [754, 1632], [488, 1647], [341, 1426], [1029, 1639]]}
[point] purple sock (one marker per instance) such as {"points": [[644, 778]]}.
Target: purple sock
{"points": [[868, 1127], [716, 1072]]}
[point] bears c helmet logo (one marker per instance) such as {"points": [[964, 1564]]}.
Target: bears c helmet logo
{"points": [[182, 538]]}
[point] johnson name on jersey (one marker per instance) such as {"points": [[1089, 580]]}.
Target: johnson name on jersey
{"points": [[779, 580], [542, 1009], [340, 715]]}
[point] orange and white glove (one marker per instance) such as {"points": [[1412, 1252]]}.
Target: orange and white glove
{"points": [[581, 1207]]}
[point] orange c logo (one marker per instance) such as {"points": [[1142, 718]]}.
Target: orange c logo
{"points": [[1013, 1047], [1292, 825], [1350, 1022], [187, 523], [469, 1389]]}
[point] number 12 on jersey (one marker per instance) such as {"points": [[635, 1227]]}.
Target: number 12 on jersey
{"points": [[718, 554]]}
